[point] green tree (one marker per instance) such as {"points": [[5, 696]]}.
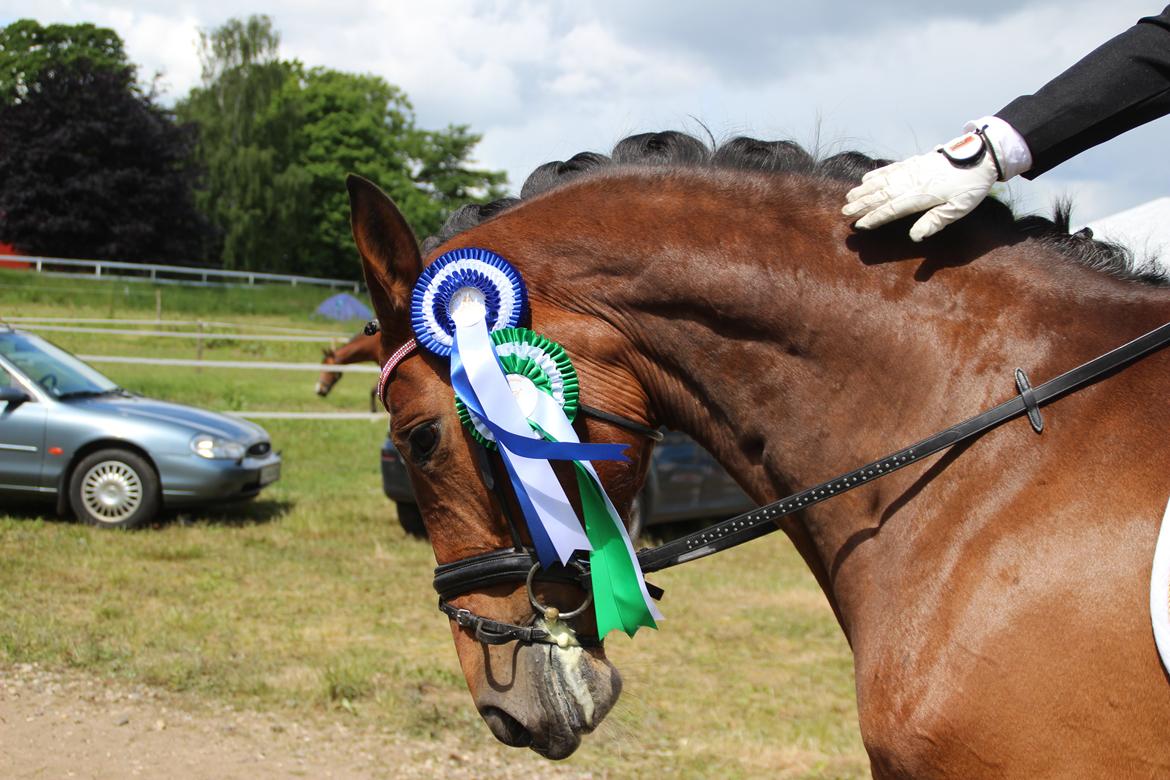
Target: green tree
{"points": [[361, 124], [246, 138], [278, 139], [444, 156], [30, 53], [89, 165]]}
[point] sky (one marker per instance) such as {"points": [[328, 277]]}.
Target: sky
{"points": [[544, 80]]}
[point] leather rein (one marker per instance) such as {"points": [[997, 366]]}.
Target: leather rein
{"points": [[519, 563]]}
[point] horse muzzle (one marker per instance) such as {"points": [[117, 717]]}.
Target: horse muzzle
{"points": [[558, 696]]}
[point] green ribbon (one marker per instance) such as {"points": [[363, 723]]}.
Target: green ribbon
{"points": [[617, 593], [619, 597]]}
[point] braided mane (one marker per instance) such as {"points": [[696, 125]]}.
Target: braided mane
{"points": [[675, 149]]}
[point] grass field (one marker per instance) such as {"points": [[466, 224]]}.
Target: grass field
{"points": [[311, 600]]}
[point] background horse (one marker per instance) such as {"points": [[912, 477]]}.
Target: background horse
{"points": [[359, 349], [995, 597]]}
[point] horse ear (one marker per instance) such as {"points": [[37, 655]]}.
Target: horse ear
{"points": [[389, 250]]}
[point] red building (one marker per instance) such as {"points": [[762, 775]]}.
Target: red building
{"points": [[9, 249]]}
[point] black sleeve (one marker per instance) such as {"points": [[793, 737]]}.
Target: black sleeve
{"points": [[1116, 87]]}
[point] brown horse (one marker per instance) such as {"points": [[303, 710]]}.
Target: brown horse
{"points": [[995, 598], [359, 349]]}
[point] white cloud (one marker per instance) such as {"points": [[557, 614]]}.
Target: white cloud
{"points": [[159, 39], [542, 81]]}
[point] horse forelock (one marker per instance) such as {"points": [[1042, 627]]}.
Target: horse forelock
{"points": [[677, 150]]}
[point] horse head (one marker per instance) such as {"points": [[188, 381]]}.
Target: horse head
{"points": [[327, 379], [537, 694]]}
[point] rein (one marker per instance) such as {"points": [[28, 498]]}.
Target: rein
{"points": [[519, 563], [761, 521]]}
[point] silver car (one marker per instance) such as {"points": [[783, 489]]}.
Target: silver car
{"points": [[113, 457]]}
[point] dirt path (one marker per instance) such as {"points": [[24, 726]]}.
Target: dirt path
{"points": [[66, 725]]}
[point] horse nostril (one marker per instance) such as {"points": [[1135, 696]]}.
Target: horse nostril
{"points": [[506, 728]]}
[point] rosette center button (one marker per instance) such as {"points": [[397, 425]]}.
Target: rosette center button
{"points": [[524, 391], [468, 306]]}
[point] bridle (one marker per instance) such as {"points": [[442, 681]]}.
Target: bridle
{"points": [[519, 562]]}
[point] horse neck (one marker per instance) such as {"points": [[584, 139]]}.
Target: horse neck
{"points": [[761, 332], [846, 377]]}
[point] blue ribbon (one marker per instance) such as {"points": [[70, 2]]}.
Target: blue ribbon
{"points": [[537, 449]]}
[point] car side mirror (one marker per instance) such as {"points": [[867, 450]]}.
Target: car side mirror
{"points": [[13, 395]]}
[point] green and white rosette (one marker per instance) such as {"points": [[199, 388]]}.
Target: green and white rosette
{"points": [[544, 384], [531, 362]]}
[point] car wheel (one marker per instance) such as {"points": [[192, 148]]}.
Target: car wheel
{"points": [[410, 518], [114, 489]]}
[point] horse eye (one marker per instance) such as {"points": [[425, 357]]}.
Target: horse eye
{"points": [[423, 440]]}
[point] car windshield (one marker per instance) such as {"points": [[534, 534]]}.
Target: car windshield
{"points": [[55, 370]]}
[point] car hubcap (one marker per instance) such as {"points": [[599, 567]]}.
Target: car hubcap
{"points": [[111, 491]]}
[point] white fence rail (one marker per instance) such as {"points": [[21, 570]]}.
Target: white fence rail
{"points": [[175, 274], [244, 364], [368, 416], [159, 322], [170, 334]]}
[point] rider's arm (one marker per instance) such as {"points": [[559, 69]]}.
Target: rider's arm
{"points": [[1118, 86]]}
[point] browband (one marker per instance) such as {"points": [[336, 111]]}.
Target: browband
{"points": [[407, 349], [399, 355]]}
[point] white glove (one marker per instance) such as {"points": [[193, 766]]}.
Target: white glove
{"points": [[932, 181], [928, 181]]}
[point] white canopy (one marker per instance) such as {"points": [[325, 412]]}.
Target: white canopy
{"points": [[1144, 229]]}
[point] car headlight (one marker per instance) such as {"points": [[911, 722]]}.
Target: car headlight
{"points": [[211, 447]]}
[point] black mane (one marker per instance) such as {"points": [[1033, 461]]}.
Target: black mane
{"points": [[675, 149]]}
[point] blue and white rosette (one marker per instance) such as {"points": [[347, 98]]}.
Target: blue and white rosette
{"points": [[458, 300], [477, 274]]}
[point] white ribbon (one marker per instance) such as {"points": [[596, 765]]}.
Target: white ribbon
{"points": [[1160, 591], [551, 418], [491, 387]]}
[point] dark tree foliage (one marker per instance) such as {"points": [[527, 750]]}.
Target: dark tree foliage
{"points": [[89, 166]]}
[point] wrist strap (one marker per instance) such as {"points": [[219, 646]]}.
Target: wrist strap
{"points": [[1010, 148], [990, 147]]}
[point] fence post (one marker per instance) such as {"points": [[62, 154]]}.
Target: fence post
{"points": [[199, 345], [157, 304], [97, 269]]}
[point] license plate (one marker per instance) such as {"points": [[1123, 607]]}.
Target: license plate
{"points": [[269, 473]]}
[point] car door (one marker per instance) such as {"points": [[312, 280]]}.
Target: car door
{"points": [[678, 479], [22, 440]]}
